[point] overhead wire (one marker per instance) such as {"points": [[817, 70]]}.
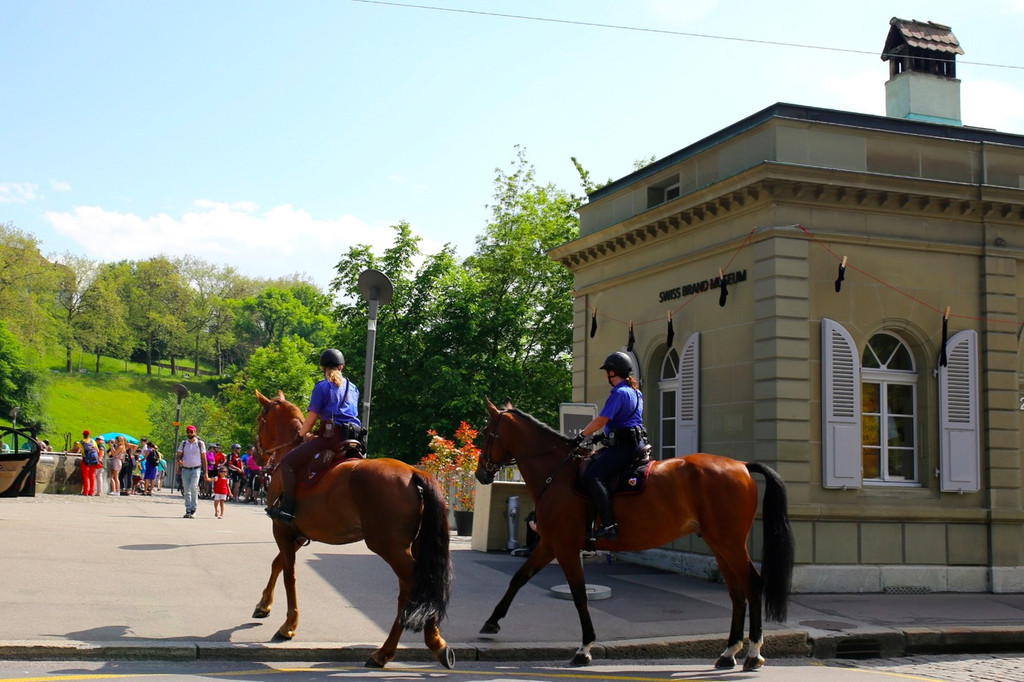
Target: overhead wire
{"points": [[664, 31]]}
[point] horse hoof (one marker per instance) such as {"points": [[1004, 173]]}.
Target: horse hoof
{"points": [[446, 657], [753, 664], [725, 662], [372, 662], [582, 658], [284, 634], [490, 628], [260, 612]]}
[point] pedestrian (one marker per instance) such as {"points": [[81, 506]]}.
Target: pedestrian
{"points": [[161, 473], [191, 459], [621, 419], [252, 472], [152, 465], [335, 403], [97, 473], [89, 462], [116, 457], [221, 490], [130, 453], [236, 474]]}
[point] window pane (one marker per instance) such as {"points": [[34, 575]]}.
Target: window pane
{"points": [[900, 432], [900, 398], [869, 433], [883, 345], [869, 360], [901, 463], [869, 398], [869, 461], [902, 359]]}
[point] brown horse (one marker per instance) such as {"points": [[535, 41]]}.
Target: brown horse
{"points": [[710, 495], [399, 511]]}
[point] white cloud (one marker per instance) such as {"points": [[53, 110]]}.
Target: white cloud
{"points": [[18, 192], [60, 186], [277, 242]]}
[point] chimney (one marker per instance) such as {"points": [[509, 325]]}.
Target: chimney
{"points": [[922, 81]]}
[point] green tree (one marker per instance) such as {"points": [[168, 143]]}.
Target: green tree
{"points": [[27, 286], [289, 366], [21, 385], [88, 305], [498, 324], [155, 295]]}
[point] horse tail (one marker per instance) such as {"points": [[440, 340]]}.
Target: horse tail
{"points": [[433, 571], [779, 544]]}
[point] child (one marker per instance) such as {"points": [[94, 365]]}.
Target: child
{"points": [[221, 490]]}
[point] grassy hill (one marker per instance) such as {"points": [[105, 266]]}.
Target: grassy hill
{"points": [[116, 399]]}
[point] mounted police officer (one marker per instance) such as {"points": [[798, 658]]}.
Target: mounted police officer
{"points": [[335, 402], [622, 420]]}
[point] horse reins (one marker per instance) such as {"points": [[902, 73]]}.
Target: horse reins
{"points": [[493, 468], [265, 452]]}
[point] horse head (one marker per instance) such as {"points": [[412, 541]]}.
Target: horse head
{"points": [[276, 426], [494, 455]]}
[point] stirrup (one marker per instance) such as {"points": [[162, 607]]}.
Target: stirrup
{"points": [[606, 532]]}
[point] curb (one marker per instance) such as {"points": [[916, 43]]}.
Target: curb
{"points": [[865, 644]]}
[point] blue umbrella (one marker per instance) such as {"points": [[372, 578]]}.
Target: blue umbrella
{"points": [[114, 434]]}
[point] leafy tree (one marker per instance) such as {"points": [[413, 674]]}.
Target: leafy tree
{"points": [[210, 418], [27, 286], [21, 385], [88, 304], [290, 366], [498, 324], [156, 296]]}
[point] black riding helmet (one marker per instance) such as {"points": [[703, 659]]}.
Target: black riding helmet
{"points": [[619, 363], [332, 357]]}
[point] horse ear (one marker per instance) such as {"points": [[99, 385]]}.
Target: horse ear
{"points": [[262, 398], [280, 394], [491, 408]]}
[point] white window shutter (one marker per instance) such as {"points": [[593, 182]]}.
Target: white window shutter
{"points": [[688, 395], [959, 443], [840, 407]]}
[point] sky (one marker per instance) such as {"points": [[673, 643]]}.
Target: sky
{"points": [[272, 136]]}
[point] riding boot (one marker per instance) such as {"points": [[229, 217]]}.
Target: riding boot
{"points": [[284, 510], [602, 500]]}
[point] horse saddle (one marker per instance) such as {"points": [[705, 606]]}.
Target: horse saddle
{"points": [[325, 460], [629, 480]]}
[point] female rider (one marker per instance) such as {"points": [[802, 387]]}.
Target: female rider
{"points": [[335, 402], [622, 418]]}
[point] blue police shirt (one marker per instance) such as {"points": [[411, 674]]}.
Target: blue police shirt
{"points": [[624, 408], [331, 403]]}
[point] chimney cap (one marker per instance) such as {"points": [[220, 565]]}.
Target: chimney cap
{"points": [[919, 35]]}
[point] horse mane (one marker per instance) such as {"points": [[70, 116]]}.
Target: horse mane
{"points": [[536, 422]]}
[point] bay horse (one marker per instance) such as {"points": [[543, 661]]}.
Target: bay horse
{"points": [[710, 495], [398, 510]]}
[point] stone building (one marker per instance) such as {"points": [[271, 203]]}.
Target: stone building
{"points": [[867, 343]]}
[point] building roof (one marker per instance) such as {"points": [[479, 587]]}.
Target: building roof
{"points": [[921, 35]]}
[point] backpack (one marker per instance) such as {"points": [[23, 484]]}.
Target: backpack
{"points": [[153, 458], [90, 455]]}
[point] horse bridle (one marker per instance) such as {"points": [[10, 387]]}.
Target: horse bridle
{"points": [[266, 453], [492, 468]]}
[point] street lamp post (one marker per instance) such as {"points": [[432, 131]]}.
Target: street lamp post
{"points": [[14, 417], [376, 288], [182, 393]]}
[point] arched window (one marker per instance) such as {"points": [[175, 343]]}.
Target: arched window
{"points": [[668, 383], [888, 411]]}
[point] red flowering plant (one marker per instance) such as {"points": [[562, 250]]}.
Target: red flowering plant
{"points": [[453, 464]]}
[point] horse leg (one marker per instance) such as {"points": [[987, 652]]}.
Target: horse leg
{"points": [[540, 557], [267, 599], [734, 644], [288, 544], [403, 564], [754, 590], [572, 567]]}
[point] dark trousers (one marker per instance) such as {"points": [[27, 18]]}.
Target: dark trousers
{"points": [[298, 460]]}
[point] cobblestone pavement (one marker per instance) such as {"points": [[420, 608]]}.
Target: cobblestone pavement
{"points": [[951, 668]]}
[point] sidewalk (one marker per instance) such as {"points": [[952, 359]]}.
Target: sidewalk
{"points": [[128, 577]]}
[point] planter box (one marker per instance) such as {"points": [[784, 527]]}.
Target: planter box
{"points": [[490, 527]]}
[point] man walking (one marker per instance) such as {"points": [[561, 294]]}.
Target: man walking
{"points": [[191, 458]]}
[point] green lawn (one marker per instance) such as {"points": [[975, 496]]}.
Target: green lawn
{"points": [[116, 399]]}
